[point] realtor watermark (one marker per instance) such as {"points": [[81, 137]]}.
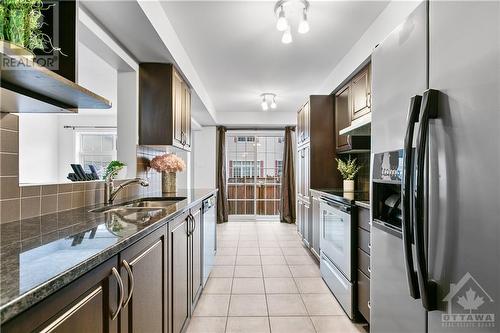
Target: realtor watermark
{"points": [[469, 305]]}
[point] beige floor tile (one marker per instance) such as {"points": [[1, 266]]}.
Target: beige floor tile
{"points": [[222, 271], [291, 325], [276, 271], [335, 324], [248, 261], [227, 251], [280, 286], [247, 325], [248, 271], [322, 305], [285, 305], [292, 243], [268, 243], [212, 306], [244, 237], [207, 325], [248, 243], [273, 260], [227, 243], [218, 286], [248, 306], [305, 270], [270, 251], [294, 251], [300, 260], [248, 251], [312, 285], [224, 260], [248, 286]]}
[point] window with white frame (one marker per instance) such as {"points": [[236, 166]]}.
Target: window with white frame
{"points": [[95, 148]]}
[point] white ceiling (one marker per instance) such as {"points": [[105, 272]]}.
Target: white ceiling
{"points": [[237, 53]]}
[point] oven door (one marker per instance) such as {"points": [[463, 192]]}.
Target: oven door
{"points": [[335, 241]]}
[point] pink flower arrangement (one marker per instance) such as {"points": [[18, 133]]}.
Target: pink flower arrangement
{"points": [[167, 163]]}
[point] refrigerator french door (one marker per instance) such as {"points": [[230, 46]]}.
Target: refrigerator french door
{"points": [[447, 54]]}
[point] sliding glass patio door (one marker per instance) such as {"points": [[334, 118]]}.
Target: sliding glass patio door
{"points": [[254, 167]]}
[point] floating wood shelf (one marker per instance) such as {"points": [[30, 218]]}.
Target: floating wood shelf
{"points": [[32, 83]]}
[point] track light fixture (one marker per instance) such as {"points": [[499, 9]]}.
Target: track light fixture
{"points": [[282, 23], [266, 98]]}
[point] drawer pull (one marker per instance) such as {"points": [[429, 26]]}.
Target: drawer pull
{"points": [[369, 305], [369, 269]]}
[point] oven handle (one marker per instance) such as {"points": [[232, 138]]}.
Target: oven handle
{"points": [[344, 208]]}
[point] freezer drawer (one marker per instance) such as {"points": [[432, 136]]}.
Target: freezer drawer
{"points": [[341, 288]]}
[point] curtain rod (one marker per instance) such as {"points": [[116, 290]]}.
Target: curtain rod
{"points": [[255, 128], [90, 127]]}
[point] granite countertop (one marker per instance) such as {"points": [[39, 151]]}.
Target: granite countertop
{"points": [[35, 267]]}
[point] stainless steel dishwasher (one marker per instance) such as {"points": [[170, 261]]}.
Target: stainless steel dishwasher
{"points": [[209, 236]]}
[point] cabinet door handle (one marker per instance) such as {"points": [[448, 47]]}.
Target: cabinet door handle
{"points": [[120, 286], [194, 224], [131, 282], [369, 305]]}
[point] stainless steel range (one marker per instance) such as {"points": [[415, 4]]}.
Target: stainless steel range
{"points": [[336, 236]]}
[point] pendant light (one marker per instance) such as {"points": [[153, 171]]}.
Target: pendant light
{"points": [[265, 104], [282, 24]]}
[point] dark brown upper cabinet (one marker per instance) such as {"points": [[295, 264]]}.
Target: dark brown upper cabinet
{"points": [[164, 107], [342, 116], [303, 124], [353, 101], [361, 93]]}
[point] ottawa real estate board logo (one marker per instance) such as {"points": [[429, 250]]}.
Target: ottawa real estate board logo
{"points": [[468, 305]]}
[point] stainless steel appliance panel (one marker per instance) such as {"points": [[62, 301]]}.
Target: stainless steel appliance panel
{"points": [[399, 71], [209, 236], [336, 236], [464, 159], [392, 310], [338, 284]]}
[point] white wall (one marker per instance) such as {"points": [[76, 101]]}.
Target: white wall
{"points": [[98, 76], [392, 16], [204, 157], [38, 148], [257, 119], [128, 121]]}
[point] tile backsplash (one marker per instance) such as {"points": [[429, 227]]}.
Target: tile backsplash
{"points": [[24, 202]]}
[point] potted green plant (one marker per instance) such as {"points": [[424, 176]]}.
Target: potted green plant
{"points": [[20, 26], [113, 169], [348, 169]]}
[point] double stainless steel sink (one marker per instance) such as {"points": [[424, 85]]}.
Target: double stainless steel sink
{"points": [[144, 204]]}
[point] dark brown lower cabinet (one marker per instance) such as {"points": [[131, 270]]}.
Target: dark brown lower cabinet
{"points": [[85, 305], [143, 271], [363, 262], [151, 286], [178, 238]]}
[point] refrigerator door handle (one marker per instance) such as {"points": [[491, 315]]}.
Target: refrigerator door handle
{"points": [[427, 286], [407, 185]]}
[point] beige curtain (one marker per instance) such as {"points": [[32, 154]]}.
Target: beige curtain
{"points": [[222, 203], [287, 211]]}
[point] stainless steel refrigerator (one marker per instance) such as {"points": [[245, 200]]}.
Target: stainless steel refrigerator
{"points": [[436, 87]]}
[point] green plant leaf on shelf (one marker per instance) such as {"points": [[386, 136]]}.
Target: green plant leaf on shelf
{"points": [[348, 169]]}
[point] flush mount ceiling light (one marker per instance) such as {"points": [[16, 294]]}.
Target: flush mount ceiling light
{"points": [[268, 99], [281, 8]]}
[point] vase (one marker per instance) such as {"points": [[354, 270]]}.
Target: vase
{"points": [[349, 189], [168, 182]]}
